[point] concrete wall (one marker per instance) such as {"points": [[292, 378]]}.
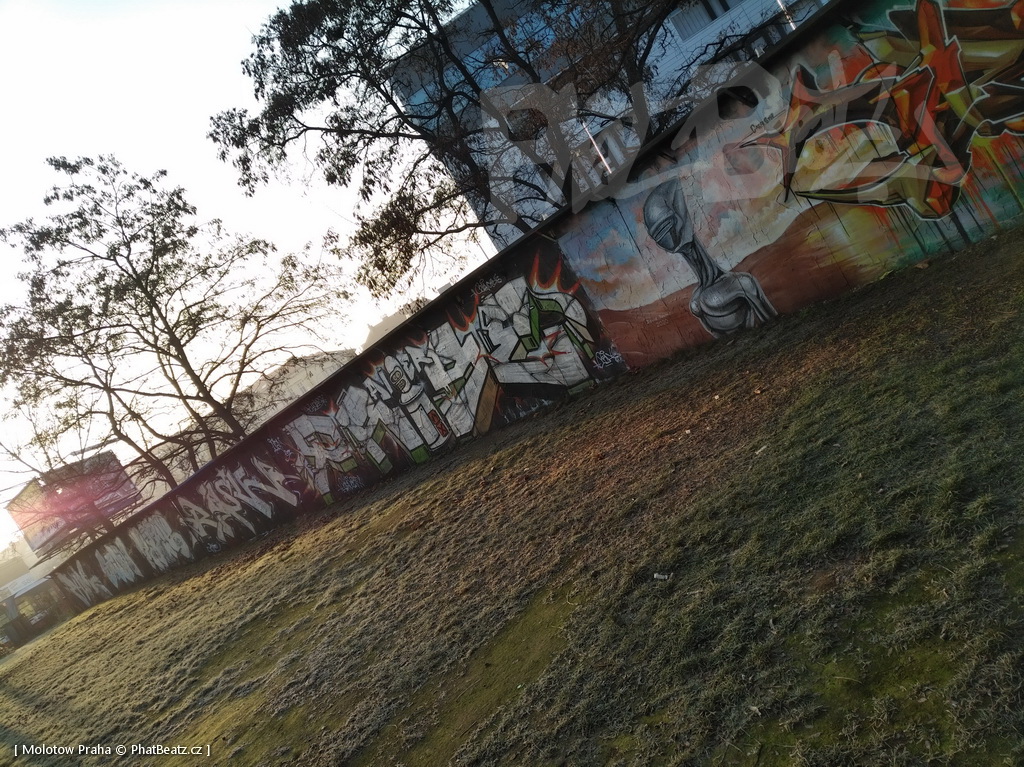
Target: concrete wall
{"points": [[856, 150]]}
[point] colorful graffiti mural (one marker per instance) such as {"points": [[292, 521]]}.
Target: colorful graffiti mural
{"points": [[510, 348], [890, 134], [506, 347], [901, 132], [866, 147]]}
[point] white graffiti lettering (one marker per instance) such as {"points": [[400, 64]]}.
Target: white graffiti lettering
{"points": [[85, 586], [203, 523], [162, 546], [605, 359], [426, 394], [117, 564], [487, 284], [230, 494]]}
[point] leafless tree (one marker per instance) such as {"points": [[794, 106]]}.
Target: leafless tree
{"points": [[142, 327]]}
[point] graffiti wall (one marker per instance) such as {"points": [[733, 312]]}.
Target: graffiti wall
{"points": [[866, 146], [508, 347], [520, 336], [889, 133]]}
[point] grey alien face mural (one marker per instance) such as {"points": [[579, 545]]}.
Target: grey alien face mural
{"points": [[722, 301]]}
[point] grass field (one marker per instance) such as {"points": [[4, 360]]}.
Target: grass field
{"points": [[803, 546]]}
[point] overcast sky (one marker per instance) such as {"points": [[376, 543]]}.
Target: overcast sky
{"points": [[140, 79]]}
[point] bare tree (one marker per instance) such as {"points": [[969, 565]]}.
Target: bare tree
{"points": [[142, 327]]}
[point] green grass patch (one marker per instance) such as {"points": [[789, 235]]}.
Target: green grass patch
{"points": [[449, 709], [804, 546]]}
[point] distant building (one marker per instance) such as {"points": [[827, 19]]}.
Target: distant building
{"points": [[68, 503], [12, 566], [256, 404], [382, 328], [275, 390], [29, 602], [695, 34]]}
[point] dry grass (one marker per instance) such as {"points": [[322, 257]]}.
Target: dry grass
{"points": [[837, 501]]}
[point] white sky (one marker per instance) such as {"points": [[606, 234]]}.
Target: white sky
{"points": [[140, 79]]}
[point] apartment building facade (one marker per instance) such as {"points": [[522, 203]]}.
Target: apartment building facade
{"points": [[523, 111]]}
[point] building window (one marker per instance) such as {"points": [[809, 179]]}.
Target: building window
{"points": [[690, 20]]}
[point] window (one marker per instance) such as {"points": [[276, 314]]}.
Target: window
{"points": [[690, 20]]}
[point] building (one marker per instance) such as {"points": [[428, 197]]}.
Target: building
{"points": [[73, 502], [29, 601], [281, 386], [256, 404], [540, 147]]}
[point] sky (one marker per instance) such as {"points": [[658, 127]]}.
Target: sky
{"points": [[140, 79]]}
